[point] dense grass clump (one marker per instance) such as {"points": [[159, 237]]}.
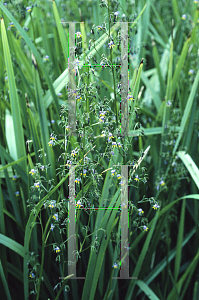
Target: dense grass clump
{"points": [[99, 149]]}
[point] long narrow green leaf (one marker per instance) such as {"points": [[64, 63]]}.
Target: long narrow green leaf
{"points": [[138, 17], [2, 220], [169, 79], [15, 108], [155, 96], [101, 255], [162, 26], [142, 255], [10, 135], [14, 246], [3, 261], [157, 37], [163, 263], [12, 196], [34, 132], [83, 32], [15, 272], [152, 130], [179, 66], [27, 84], [157, 65], [62, 37], [135, 87], [192, 266], [186, 285], [92, 273], [9, 170], [187, 112], [35, 52], [179, 242], [168, 206], [190, 165], [145, 19], [13, 218], [175, 11], [2, 275], [22, 59], [45, 136], [195, 292], [144, 287]]}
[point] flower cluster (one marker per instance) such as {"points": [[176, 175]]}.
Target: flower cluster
{"points": [[57, 249], [55, 217], [84, 173], [136, 178], [32, 275], [156, 206], [131, 98], [160, 183], [115, 265], [53, 138], [113, 172], [74, 153], [32, 171], [102, 114], [168, 104], [52, 204], [78, 34], [11, 24], [100, 28], [111, 45], [78, 97], [46, 58], [145, 228], [77, 180], [78, 204], [37, 184], [52, 226], [28, 9], [110, 136], [140, 212], [114, 145]]}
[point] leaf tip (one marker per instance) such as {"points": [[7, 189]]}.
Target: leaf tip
{"points": [[142, 60]]}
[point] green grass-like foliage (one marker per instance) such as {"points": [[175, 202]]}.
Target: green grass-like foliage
{"points": [[36, 149]]}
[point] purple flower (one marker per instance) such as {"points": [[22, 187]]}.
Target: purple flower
{"points": [[111, 45], [145, 228]]}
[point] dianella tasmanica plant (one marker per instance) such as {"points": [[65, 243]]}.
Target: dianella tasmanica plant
{"points": [[96, 129], [97, 160]]}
